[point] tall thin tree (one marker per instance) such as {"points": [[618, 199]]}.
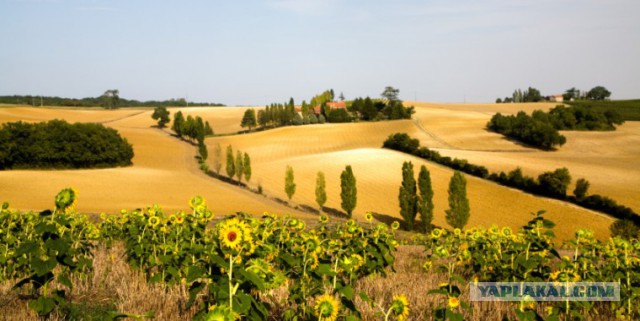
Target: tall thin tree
{"points": [[247, 167], [239, 165], [321, 192], [407, 195], [289, 184], [458, 213], [231, 165], [425, 199], [348, 191], [217, 158]]}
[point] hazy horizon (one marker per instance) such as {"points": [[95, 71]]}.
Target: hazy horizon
{"points": [[262, 51]]}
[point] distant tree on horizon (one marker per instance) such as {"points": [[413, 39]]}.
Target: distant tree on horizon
{"points": [[598, 93]]}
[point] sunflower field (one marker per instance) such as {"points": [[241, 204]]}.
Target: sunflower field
{"points": [[229, 267], [232, 267]]}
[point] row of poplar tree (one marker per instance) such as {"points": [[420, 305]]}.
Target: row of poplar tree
{"points": [[418, 198]]}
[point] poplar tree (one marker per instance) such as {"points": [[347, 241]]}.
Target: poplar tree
{"points": [[217, 158], [425, 199], [407, 195], [458, 213], [231, 166], [348, 191], [289, 184], [247, 167], [239, 166], [321, 193]]}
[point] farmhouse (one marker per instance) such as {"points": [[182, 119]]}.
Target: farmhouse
{"points": [[332, 105], [556, 98]]}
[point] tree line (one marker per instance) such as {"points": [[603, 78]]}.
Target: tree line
{"points": [[550, 184], [417, 198], [541, 128], [533, 95], [58, 144], [109, 100]]}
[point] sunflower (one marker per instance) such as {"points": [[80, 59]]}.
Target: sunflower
{"points": [[179, 219], [208, 215], [154, 221], [457, 232], [368, 217], [66, 199], [326, 308], [453, 302], [395, 225], [400, 307], [506, 231], [324, 218], [427, 265], [230, 236], [172, 218], [436, 233]]}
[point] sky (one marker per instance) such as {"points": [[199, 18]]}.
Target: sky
{"points": [[254, 52]]}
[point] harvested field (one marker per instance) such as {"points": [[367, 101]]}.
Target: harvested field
{"points": [[165, 170]]}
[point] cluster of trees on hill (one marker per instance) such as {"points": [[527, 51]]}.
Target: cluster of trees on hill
{"points": [[533, 95], [109, 100], [368, 109], [348, 189], [527, 129], [58, 144], [193, 128], [320, 111], [541, 128], [551, 184]]}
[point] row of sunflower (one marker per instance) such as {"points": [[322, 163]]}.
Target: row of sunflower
{"points": [[232, 267], [39, 248], [529, 255]]}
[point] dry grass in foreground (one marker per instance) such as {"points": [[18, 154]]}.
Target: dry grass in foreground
{"points": [[116, 286]]}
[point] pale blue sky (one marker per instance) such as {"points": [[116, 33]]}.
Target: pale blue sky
{"points": [[261, 51]]}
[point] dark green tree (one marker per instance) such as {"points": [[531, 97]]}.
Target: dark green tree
{"points": [[532, 95], [263, 118], [203, 152], [390, 94], [555, 183], [582, 188], [321, 193], [239, 165], [289, 184], [178, 124], [598, 93], [231, 165], [207, 129], [247, 167], [458, 213], [249, 119], [425, 199], [407, 195], [161, 114], [348, 191], [110, 99]]}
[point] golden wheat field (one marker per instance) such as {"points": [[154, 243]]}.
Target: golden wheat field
{"points": [[166, 172], [608, 160]]}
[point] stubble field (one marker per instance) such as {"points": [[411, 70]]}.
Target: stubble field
{"points": [[166, 172]]}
